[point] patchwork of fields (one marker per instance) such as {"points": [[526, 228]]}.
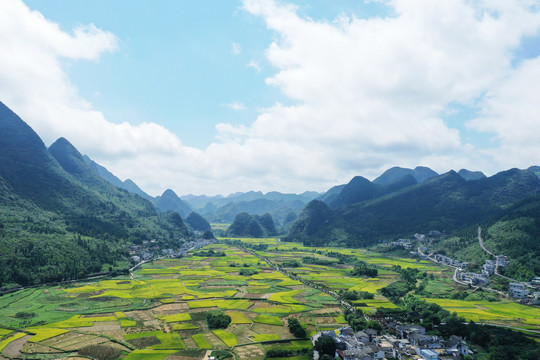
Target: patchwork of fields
{"points": [[160, 311]]}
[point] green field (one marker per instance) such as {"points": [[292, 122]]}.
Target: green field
{"points": [[163, 309]]}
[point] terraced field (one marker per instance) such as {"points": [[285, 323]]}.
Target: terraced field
{"points": [[508, 313], [160, 311]]}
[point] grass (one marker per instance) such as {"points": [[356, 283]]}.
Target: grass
{"points": [[127, 323], [45, 333], [484, 311], [238, 317], [141, 335], [201, 341], [149, 354], [266, 337], [286, 297], [268, 319], [5, 331], [176, 317], [240, 304], [169, 341], [184, 326], [228, 338]]}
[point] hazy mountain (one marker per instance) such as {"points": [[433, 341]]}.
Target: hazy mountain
{"points": [[169, 201], [197, 222], [471, 175], [245, 225], [420, 173], [329, 196], [535, 169], [361, 189], [128, 185]]}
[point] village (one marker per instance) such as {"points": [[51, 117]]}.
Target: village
{"points": [[404, 342], [527, 293]]}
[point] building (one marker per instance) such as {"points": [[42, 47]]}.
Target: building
{"points": [[518, 290], [428, 354]]}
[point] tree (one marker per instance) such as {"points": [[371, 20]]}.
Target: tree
{"points": [[296, 328], [325, 345], [218, 320]]}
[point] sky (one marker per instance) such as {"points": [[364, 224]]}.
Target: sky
{"points": [[214, 97]]}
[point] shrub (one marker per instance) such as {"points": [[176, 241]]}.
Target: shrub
{"points": [[100, 352]]}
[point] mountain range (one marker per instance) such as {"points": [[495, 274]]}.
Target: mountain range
{"points": [[363, 212], [63, 216]]}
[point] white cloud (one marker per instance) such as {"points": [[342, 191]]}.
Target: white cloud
{"points": [[511, 111], [34, 84], [236, 48], [255, 65], [367, 94], [236, 105]]}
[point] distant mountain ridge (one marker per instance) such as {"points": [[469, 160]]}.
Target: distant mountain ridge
{"points": [[224, 209], [420, 174], [169, 201], [445, 202], [128, 184]]}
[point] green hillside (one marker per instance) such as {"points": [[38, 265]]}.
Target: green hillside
{"points": [[447, 203], [515, 233], [59, 219]]}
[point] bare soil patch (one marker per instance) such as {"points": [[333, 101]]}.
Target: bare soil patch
{"points": [[14, 348]]}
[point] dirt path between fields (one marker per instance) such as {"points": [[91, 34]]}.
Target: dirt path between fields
{"points": [[13, 350]]}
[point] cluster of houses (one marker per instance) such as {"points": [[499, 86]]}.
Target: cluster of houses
{"points": [[150, 249], [526, 296], [404, 243], [406, 342], [449, 261], [477, 279]]}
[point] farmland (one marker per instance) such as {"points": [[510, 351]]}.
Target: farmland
{"points": [[161, 310]]}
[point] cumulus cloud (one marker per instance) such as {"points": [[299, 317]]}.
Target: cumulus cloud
{"points": [[363, 95]]}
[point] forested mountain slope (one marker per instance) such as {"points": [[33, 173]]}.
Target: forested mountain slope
{"points": [[58, 219], [447, 202]]}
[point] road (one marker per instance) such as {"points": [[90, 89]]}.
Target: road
{"points": [[455, 279], [481, 242]]}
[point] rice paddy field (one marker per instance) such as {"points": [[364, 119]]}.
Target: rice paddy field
{"points": [[160, 311]]}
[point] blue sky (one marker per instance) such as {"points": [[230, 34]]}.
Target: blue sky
{"points": [[175, 64], [288, 95]]}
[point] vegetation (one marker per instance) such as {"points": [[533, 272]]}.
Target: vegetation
{"points": [[296, 328], [362, 269], [60, 219], [356, 295], [100, 352], [197, 222], [325, 345], [210, 253], [218, 320], [446, 202], [246, 225]]}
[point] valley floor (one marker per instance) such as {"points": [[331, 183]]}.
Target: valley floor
{"points": [[160, 312]]}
